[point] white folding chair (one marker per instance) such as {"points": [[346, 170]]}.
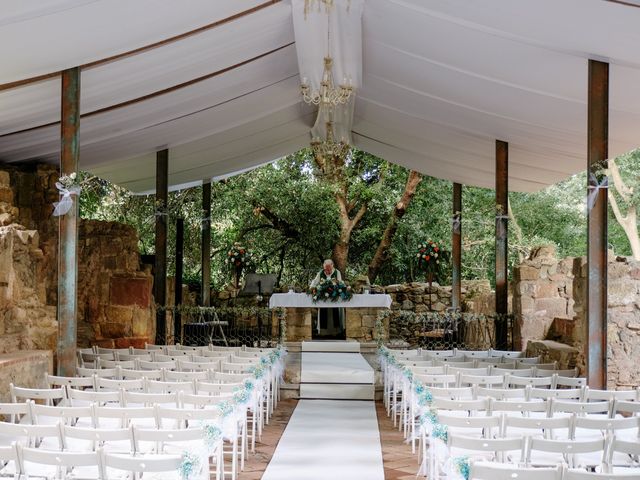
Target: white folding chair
{"points": [[37, 462], [47, 436], [51, 396], [10, 465], [505, 471], [574, 453], [87, 397], [68, 415], [167, 465], [90, 439]]}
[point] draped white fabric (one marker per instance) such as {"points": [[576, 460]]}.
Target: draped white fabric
{"points": [[440, 81]]}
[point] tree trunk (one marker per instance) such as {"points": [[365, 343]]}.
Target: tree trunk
{"points": [[382, 252], [340, 252], [629, 221]]}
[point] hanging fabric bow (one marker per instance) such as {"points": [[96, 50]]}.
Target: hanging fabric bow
{"points": [[456, 223], [594, 188], [66, 202]]}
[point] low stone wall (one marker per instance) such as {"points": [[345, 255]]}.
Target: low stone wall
{"points": [[24, 369]]}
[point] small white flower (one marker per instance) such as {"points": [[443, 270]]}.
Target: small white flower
{"points": [[73, 176], [435, 255]]}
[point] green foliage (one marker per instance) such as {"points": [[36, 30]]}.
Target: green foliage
{"points": [[286, 214]]}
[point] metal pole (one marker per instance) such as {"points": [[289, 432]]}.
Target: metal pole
{"points": [[206, 245], [502, 199], [160, 279], [456, 247], [68, 227], [597, 140], [177, 317]]}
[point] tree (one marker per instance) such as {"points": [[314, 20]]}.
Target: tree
{"points": [[623, 197]]}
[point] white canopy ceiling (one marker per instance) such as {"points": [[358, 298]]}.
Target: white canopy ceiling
{"points": [[441, 80]]}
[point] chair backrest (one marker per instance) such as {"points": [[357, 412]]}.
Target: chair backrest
{"points": [[156, 365], [543, 427], [580, 408], [428, 370], [8, 455], [100, 363], [134, 374], [471, 406], [485, 380], [520, 407], [565, 393], [626, 407], [149, 346], [591, 394], [623, 446], [506, 354], [175, 376], [80, 397], [33, 434], [102, 373], [51, 396], [531, 381], [128, 357], [451, 368], [126, 415], [136, 464], [77, 382], [149, 399], [565, 449], [230, 377], [409, 362], [605, 425], [183, 417], [582, 474], [235, 367], [527, 360], [453, 393], [216, 388], [65, 414], [15, 412], [486, 426], [173, 352], [571, 382], [66, 460], [186, 366], [193, 434], [514, 372], [128, 385], [500, 446], [501, 393], [473, 353], [438, 353], [94, 437], [211, 356], [492, 471], [168, 387], [437, 380]]}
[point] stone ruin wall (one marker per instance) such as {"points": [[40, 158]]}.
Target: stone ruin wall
{"points": [[115, 306], [549, 302]]}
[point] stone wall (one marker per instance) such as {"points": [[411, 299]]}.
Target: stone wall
{"points": [[542, 291], [115, 306], [549, 304], [115, 303]]}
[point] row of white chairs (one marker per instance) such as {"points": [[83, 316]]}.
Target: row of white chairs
{"points": [[456, 352], [482, 470], [100, 464]]}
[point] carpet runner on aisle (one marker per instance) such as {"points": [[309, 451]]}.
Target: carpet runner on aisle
{"points": [[329, 440]]}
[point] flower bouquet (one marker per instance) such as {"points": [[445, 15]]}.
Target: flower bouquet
{"points": [[431, 257], [330, 291], [238, 257]]}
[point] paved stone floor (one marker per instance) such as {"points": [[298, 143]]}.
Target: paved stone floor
{"points": [[399, 463]]}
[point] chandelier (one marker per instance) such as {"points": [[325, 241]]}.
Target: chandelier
{"points": [[329, 148], [328, 95]]}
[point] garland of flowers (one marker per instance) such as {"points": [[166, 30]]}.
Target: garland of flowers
{"points": [[330, 291]]}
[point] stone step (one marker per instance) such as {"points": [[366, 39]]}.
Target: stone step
{"points": [[334, 391], [331, 346]]}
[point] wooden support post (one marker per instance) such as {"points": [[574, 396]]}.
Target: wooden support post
{"points": [[597, 140], [205, 294], [68, 229], [502, 207], [456, 248], [160, 278], [177, 317]]}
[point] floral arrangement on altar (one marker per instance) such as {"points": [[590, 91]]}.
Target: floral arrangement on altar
{"points": [[431, 257], [238, 256], [331, 291]]}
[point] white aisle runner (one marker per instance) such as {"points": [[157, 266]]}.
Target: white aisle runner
{"points": [[329, 440]]}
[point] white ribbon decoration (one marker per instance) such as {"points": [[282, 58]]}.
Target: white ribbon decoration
{"points": [[62, 207], [456, 223], [594, 188]]}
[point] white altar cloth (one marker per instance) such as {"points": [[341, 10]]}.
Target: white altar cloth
{"points": [[302, 300]]}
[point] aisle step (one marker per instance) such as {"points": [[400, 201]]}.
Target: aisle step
{"points": [[337, 391], [329, 346]]}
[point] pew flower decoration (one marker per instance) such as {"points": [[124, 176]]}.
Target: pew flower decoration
{"points": [[441, 432], [226, 409], [330, 291], [190, 465], [462, 466], [241, 396], [67, 186], [212, 434]]}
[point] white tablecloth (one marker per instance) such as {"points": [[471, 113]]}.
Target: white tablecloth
{"points": [[302, 300]]}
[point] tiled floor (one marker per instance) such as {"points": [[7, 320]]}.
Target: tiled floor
{"points": [[399, 463]]}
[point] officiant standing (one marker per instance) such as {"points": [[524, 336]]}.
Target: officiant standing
{"points": [[330, 321]]}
